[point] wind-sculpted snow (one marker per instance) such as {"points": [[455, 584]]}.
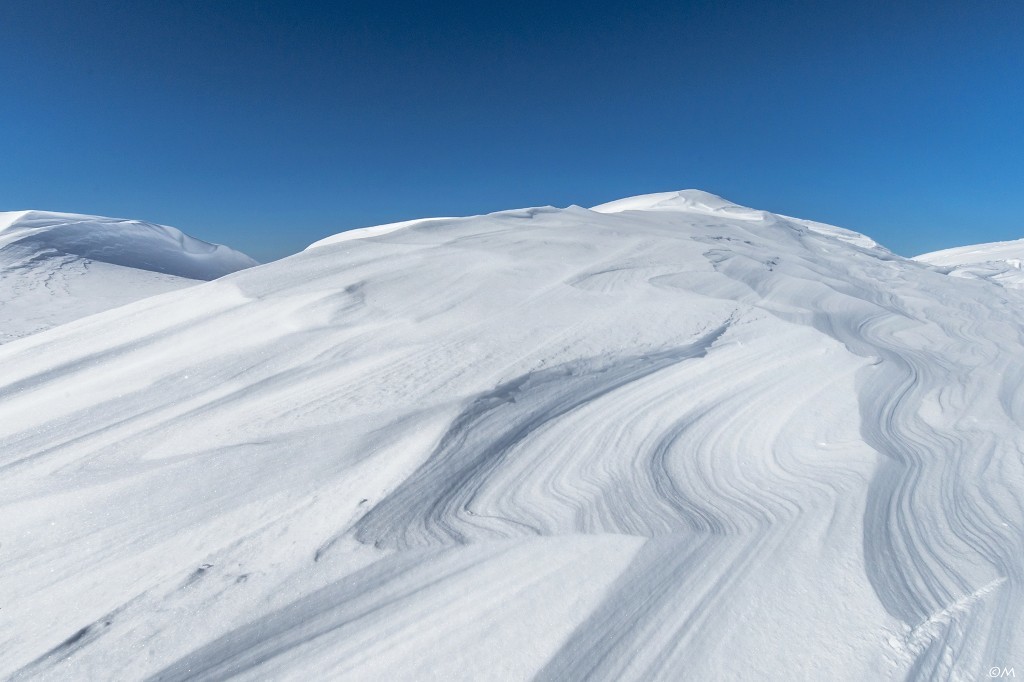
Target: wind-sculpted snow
{"points": [[59, 267], [129, 243], [671, 439], [433, 505], [999, 262]]}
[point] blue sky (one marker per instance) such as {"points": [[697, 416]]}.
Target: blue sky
{"points": [[268, 124]]}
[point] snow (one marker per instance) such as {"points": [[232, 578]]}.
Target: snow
{"points": [[58, 267], [698, 201], [687, 200], [999, 262], [671, 438], [375, 231]]}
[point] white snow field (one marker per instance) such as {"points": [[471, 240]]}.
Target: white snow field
{"points": [[669, 438], [58, 267], [1000, 262]]}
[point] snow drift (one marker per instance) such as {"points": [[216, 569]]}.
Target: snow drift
{"points": [[999, 262], [696, 442], [58, 267]]}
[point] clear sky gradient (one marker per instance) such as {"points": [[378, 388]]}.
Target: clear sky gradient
{"points": [[268, 124]]}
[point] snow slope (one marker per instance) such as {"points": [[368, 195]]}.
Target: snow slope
{"points": [[58, 267], [555, 444], [999, 262]]}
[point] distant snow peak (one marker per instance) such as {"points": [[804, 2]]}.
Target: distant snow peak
{"points": [[688, 200], [129, 243], [59, 267], [998, 262], [701, 202]]}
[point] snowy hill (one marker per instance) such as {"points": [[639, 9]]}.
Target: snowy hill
{"points": [[680, 440], [58, 267], [1000, 262]]}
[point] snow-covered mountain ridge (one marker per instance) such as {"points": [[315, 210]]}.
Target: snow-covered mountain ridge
{"points": [[999, 262], [129, 243], [555, 444], [58, 267]]}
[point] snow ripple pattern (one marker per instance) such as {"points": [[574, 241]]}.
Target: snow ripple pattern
{"points": [[670, 439]]}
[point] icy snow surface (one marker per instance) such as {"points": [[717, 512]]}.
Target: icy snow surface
{"points": [[58, 267], [671, 439], [1000, 262]]}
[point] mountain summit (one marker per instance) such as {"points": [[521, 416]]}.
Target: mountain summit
{"points": [[690, 200]]}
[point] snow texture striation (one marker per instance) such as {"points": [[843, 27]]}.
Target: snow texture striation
{"points": [[668, 438], [58, 267]]}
